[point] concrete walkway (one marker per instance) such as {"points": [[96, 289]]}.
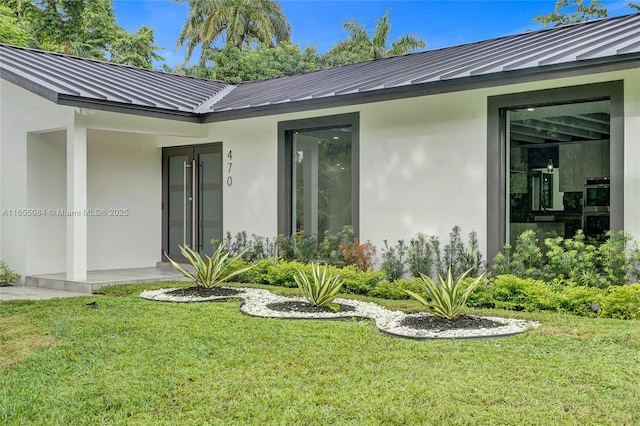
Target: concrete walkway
{"points": [[35, 293], [42, 287]]}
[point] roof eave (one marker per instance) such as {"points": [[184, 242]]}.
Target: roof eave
{"points": [[26, 84], [140, 110]]}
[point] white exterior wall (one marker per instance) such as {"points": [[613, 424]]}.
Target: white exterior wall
{"points": [[21, 113], [632, 154], [46, 189], [422, 162], [422, 169], [125, 180], [124, 171]]}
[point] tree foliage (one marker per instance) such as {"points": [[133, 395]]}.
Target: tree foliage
{"points": [[13, 31], [232, 64], [569, 12], [246, 64], [572, 11], [78, 27], [236, 22], [134, 49], [362, 46]]}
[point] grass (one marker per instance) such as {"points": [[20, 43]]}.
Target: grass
{"points": [[136, 362]]}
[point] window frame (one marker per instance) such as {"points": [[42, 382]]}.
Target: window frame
{"points": [[497, 158], [285, 165]]}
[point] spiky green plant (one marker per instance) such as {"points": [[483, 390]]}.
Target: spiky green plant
{"points": [[210, 271], [323, 286], [447, 298]]}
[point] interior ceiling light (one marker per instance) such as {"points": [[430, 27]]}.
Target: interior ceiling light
{"points": [[550, 165]]}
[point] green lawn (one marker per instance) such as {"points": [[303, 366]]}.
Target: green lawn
{"points": [[136, 362]]}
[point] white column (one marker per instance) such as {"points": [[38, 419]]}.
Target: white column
{"points": [[77, 202]]}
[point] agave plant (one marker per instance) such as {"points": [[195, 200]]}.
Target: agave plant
{"points": [[447, 298], [210, 271], [323, 286]]}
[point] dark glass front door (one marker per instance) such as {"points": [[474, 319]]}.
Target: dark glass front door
{"points": [[192, 198]]}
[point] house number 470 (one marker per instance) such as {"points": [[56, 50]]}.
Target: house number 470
{"points": [[229, 163]]}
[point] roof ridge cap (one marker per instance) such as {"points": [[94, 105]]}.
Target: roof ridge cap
{"points": [[206, 105]]}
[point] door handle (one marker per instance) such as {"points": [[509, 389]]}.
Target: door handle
{"points": [[185, 187], [194, 205]]}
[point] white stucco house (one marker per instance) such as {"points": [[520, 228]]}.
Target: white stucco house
{"points": [[105, 166]]}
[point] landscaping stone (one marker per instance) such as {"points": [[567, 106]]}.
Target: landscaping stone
{"points": [[263, 303]]}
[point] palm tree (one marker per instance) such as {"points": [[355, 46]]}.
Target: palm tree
{"points": [[238, 22], [361, 47]]}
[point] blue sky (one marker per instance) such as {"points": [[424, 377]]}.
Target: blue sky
{"points": [[319, 22]]}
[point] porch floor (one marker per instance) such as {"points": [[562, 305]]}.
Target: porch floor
{"points": [[99, 279]]}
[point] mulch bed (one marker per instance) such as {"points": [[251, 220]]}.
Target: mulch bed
{"points": [[204, 292], [307, 308], [434, 322]]}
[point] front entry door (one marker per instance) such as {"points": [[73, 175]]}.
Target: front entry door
{"points": [[192, 198]]}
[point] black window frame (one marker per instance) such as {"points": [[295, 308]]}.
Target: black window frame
{"points": [[285, 165], [496, 148]]}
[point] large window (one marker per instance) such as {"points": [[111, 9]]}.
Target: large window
{"points": [[555, 163], [558, 170], [318, 175]]}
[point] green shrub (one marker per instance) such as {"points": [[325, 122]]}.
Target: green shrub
{"points": [[622, 302], [459, 258], [7, 276], [420, 256], [360, 282], [253, 275], [393, 260], [300, 247], [619, 256], [573, 259], [253, 249], [481, 296], [448, 297], [614, 262], [524, 260], [394, 289], [282, 273], [520, 294], [579, 300], [331, 248]]}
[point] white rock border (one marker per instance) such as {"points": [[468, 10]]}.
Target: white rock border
{"points": [[255, 303], [510, 327], [162, 295]]}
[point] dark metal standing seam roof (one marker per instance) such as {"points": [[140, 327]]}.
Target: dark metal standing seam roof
{"points": [[604, 39], [66, 78], [102, 85]]}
